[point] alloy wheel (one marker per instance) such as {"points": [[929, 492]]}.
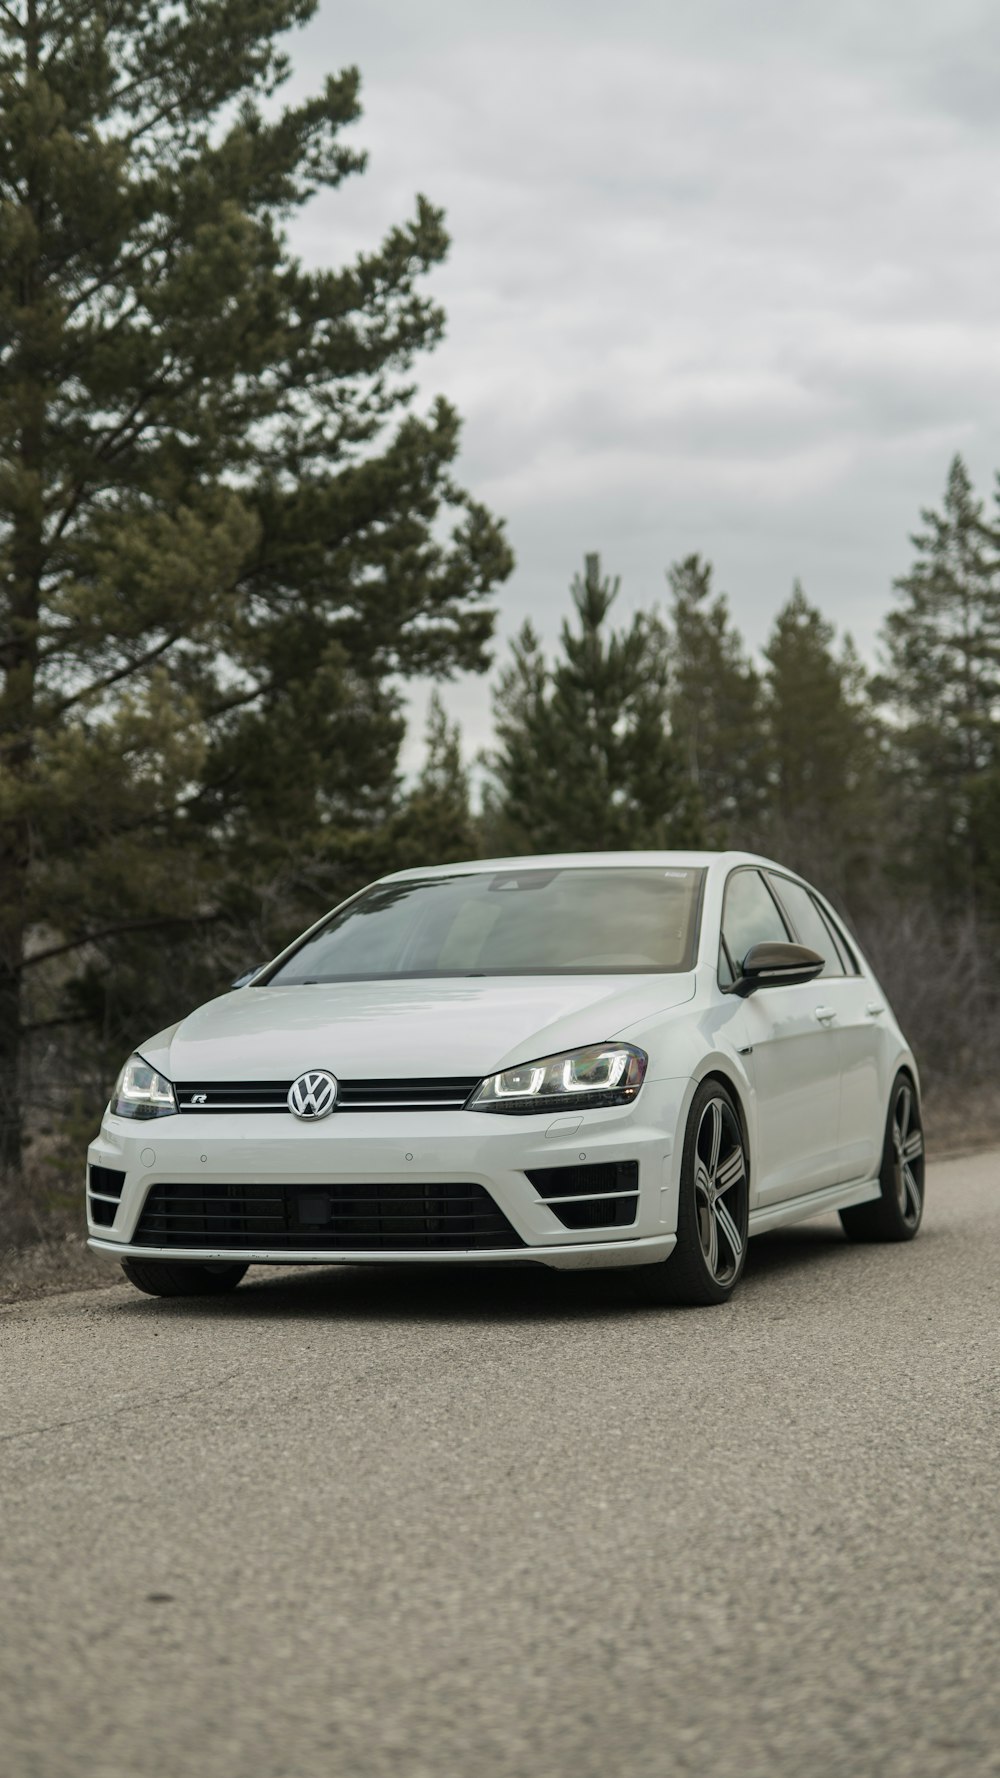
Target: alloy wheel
{"points": [[720, 1185], [908, 1154]]}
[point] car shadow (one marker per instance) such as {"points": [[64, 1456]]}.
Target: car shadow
{"points": [[791, 1249], [479, 1293]]}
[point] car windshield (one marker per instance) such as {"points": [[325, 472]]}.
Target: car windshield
{"points": [[571, 921]]}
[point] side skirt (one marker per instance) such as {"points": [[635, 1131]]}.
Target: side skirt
{"points": [[832, 1197]]}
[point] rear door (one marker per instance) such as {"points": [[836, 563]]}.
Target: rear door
{"points": [[854, 1002], [794, 1058]]}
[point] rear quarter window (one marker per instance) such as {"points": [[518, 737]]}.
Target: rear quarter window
{"points": [[851, 964]]}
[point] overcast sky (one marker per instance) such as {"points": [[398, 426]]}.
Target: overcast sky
{"points": [[723, 277]]}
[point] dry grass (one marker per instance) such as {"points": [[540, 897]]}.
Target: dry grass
{"points": [[43, 1245], [54, 1264], [961, 1119], [43, 1240]]}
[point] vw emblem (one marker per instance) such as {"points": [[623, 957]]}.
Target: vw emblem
{"points": [[313, 1095]]}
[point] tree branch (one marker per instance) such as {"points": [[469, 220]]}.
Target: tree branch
{"points": [[120, 270], [125, 926], [76, 1018], [56, 48], [99, 685]]}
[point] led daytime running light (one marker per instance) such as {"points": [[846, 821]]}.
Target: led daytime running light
{"points": [[142, 1093], [602, 1073]]}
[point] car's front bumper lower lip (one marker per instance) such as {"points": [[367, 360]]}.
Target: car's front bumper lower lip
{"points": [[639, 1251]]}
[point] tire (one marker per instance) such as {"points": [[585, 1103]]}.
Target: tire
{"points": [[896, 1214], [167, 1277], [712, 1214]]}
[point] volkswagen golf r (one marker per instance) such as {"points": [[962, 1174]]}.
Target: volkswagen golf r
{"points": [[625, 1059]]}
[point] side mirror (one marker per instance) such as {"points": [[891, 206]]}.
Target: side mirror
{"points": [[244, 980], [777, 966]]}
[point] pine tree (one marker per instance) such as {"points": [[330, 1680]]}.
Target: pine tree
{"points": [[435, 824], [585, 760], [942, 693], [224, 532], [823, 815], [716, 712]]}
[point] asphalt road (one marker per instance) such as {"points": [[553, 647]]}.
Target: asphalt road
{"points": [[349, 1522]]}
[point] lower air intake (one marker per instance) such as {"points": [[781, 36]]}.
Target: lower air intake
{"points": [[581, 1197], [105, 1187], [595, 1213], [599, 1179], [326, 1218]]}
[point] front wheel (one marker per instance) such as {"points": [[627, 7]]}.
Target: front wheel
{"points": [[167, 1277], [895, 1215], [712, 1215]]}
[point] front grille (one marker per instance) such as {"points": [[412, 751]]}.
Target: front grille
{"points": [[581, 1197], [440, 1094], [253, 1218], [105, 1193]]}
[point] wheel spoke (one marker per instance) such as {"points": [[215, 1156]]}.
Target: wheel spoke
{"points": [[911, 1208], [913, 1147], [731, 1170], [710, 1240], [702, 1181], [730, 1233]]}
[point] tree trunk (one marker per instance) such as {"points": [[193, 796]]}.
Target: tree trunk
{"points": [[19, 665], [11, 1124]]}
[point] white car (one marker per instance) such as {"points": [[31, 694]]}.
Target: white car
{"points": [[619, 1059]]}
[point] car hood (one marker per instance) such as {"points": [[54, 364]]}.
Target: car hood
{"points": [[400, 1029]]}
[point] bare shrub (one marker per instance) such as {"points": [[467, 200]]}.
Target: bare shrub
{"points": [[939, 972]]}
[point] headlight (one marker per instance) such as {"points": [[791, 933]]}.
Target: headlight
{"points": [[603, 1074], [141, 1092]]}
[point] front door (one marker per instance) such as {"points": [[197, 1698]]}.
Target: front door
{"points": [[794, 1058], [856, 1005]]}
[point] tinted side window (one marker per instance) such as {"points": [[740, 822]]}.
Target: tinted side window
{"points": [[750, 916], [810, 928], [850, 962]]}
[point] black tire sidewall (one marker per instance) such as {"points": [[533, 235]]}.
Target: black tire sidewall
{"points": [[891, 1211], [167, 1277]]}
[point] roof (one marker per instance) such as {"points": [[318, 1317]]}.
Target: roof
{"points": [[583, 860]]}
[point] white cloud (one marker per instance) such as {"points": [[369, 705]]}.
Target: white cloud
{"points": [[723, 278]]}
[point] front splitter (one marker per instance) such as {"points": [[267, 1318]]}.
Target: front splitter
{"points": [[583, 1255]]}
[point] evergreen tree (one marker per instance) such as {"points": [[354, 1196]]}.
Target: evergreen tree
{"points": [[435, 824], [942, 692], [224, 533], [823, 815], [585, 761], [716, 712]]}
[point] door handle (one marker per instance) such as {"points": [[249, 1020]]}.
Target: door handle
{"points": [[826, 1014], [873, 1009]]}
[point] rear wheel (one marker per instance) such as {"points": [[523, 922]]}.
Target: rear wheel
{"points": [[706, 1265], [896, 1213], [167, 1277]]}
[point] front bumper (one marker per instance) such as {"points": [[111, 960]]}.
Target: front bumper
{"points": [[490, 1150]]}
